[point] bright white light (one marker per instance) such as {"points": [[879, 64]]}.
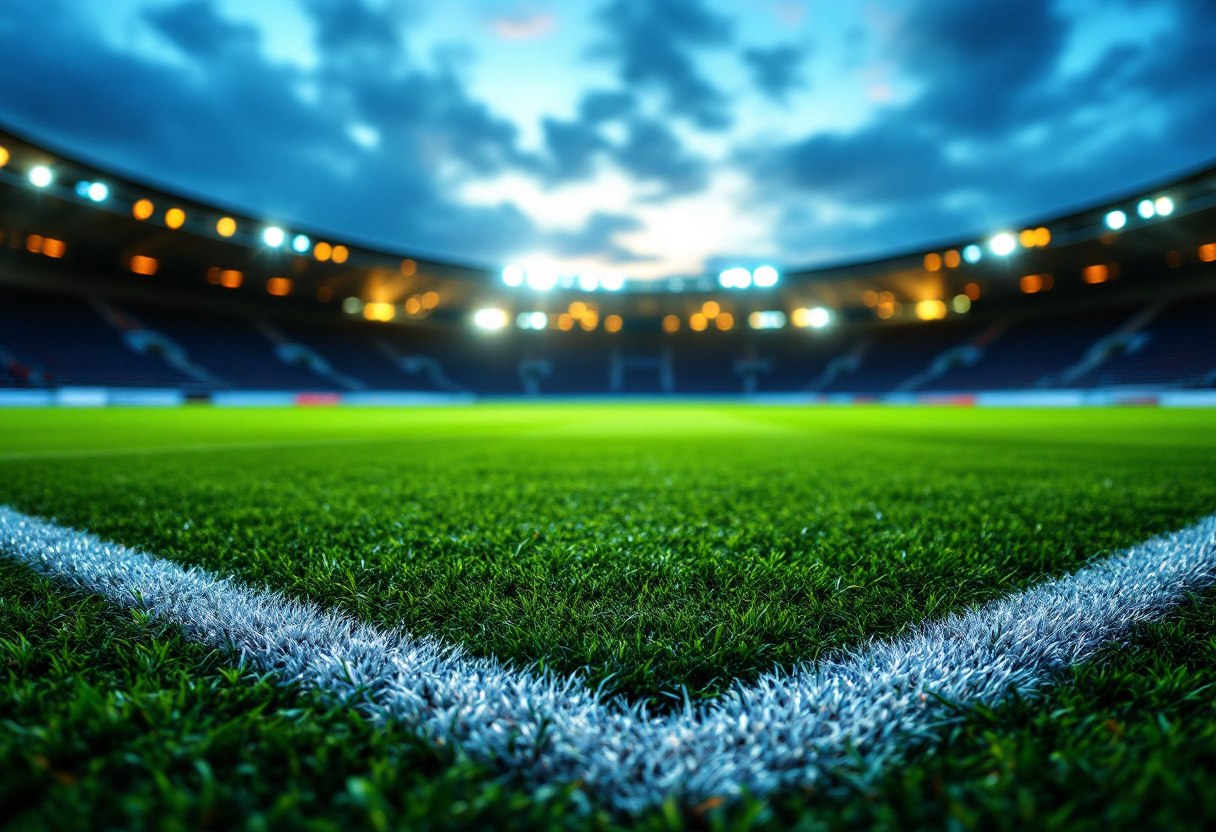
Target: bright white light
{"points": [[489, 318], [513, 275], [539, 320], [1164, 206], [612, 282], [735, 279], [818, 317], [1146, 209], [301, 243], [542, 277], [766, 320], [588, 282], [273, 237], [1003, 244], [98, 192], [973, 253], [41, 176], [765, 277], [1116, 220]]}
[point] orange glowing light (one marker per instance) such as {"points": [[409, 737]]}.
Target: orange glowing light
{"points": [[213, 275], [697, 322], [33, 244], [413, 306], [53, 248], [710, 309], [952, 259], [408, 267], [322, 251], [1031, 283], [1207, 253], [226, 227], [613, 323], [565, 322], [142, 209], [1042, 237], [885, 310], [279, 286], [671, 324], [972, 291], [870, 298], [1095, 274], [379, 311], [3, 156], [1027, 238], [724, 321], [340, 254], [430, 300], [933, 261], [578, 309], [175, 218], [589, 321], [886, 297], [930, 310], [144, 265], [231, 279]]}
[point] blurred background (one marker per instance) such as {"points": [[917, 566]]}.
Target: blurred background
{"points": [[352, 198]]}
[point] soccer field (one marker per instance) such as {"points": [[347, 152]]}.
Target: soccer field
{"points": [[666, 554]]}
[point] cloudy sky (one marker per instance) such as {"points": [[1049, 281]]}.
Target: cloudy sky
{"points": [[649, 137]]}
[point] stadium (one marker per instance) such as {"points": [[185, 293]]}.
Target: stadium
{"points": [[301, 527], [116, 291]]}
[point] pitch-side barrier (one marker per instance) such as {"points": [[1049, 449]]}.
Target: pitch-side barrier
{"points": [[93, 397]]}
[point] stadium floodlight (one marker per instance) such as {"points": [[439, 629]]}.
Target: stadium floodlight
{"points": [[1146, 209], [588, 282], [273, 236], [490, 318], [973, 253], [301, 243], [99, 192], [1003, 244], [41, 176], [774, 319], [735, 278], [818, 317], [1116, 220], [513, 276], [541, 277], [765, 277], [1164, 206], [612, 282]]}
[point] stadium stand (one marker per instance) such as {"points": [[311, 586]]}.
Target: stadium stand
{"points": [[144, 291]]}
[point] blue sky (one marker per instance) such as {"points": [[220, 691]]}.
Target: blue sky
{"points": [[645, 137]]}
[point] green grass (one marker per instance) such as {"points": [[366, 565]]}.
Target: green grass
{"points": [[652, 548]]}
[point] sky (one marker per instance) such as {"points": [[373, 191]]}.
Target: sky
{"points": [[649, 138]]}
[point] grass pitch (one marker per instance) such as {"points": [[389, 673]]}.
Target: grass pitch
{"points": [[658, 550]]}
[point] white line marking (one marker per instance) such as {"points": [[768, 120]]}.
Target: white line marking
{"points": [[786, 729]]}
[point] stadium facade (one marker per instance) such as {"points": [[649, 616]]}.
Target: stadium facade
{"points": [[115, 291]]}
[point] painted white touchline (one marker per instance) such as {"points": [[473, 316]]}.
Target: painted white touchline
{"points": [[785, 729]]}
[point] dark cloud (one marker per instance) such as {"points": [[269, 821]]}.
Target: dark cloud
{"points": [[654, 42], [776, 71], [653, 154], [233, 127], [997, 134], [597, 237], [573, 147]]}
